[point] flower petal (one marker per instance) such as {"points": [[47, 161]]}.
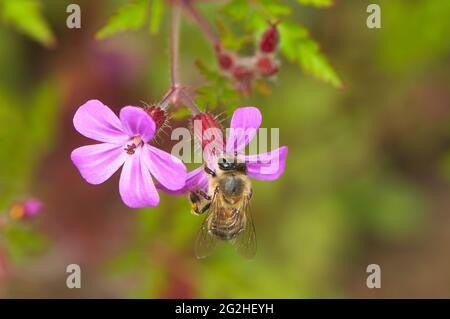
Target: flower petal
{"points": [[166, 168], [98, 162], [95, 120], [196, 179], [244, 125], [267, 166], [136, 185], [136, 122]]}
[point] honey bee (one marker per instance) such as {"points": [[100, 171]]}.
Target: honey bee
{"points": [[228, 209]]}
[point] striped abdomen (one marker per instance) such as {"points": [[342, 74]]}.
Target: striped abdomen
{"points": [[226, 224]]}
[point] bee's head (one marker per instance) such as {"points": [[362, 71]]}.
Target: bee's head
{"points": [[231, 164]]}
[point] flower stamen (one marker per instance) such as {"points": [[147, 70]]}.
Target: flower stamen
{"points": [[135, 142]]}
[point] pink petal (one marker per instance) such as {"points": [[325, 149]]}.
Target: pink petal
{"points": [[244, 125], [32, 206], [166, 168], [196, 179], [96, 121], [136, 122], [267, 166], [98, 162], [136, 185]]}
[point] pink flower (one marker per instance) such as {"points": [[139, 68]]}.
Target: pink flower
{"points": [[124, 142], [244, 126]]}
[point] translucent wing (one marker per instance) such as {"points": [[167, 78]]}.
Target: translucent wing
{"points": [[205, 242], [245, 243]]}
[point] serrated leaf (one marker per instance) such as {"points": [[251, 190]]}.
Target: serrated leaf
{"points": [[297, 46], [157, 9], [317, 3], [26, 16], [129, 17]]}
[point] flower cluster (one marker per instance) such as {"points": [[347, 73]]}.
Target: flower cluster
{"points": [[125, 141], [243, 70]]}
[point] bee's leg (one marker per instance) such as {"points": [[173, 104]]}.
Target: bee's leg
{"points": [[250, 194], [196, 201], [197, 210], [205, 208], [203, 194], [210, 171]]}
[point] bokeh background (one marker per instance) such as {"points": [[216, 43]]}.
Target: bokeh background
{"points": [[367, 178]]}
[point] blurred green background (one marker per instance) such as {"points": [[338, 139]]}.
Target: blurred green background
{"points": [[367, 178]]}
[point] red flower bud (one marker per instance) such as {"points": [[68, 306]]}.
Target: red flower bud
{"points": [[242, 73], [225, 60], [158, 115], [266, 66], [208, 132], [269, 40]]}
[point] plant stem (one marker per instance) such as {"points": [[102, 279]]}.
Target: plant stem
{"points": [[176, 91], [202, 23], [174, 44], [190, 102], [169, 97]]}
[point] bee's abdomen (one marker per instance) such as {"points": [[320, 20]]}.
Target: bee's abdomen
{"points": [[226, 227]]}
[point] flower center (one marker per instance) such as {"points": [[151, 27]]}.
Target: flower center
{"points": [[133, 144]]}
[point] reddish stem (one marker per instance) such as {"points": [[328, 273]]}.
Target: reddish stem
{"points": [[176, 91], [202, 23], [174, 44]]}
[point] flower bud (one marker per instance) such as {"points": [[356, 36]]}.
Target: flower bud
{"points": [[266, 66], [242, 73], [225, 60], [209, 133], [269, 40], [158, 115]]}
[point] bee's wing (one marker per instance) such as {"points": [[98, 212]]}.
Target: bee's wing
{"points": [[205, 242], [245, 243]]}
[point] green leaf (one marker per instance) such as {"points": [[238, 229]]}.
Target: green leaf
{"points": [[274, 9], [130, 16], [237, 9], [317, 3], [297, 46], [157, 9], [26, 16], [217, 92], [180, 113]]}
